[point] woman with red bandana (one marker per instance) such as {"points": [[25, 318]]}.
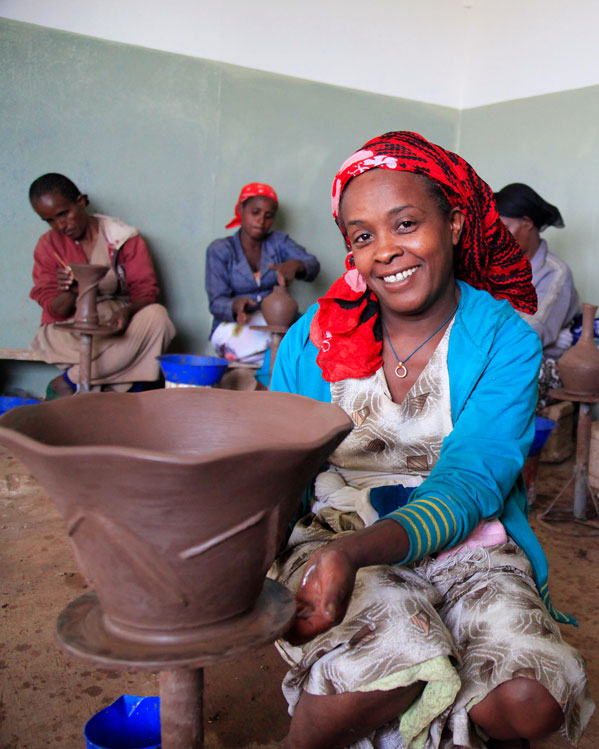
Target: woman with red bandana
{"points": [[423, 612], [241, 270]]}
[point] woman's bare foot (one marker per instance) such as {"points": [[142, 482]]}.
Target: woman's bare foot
{"points": [[61, 387]]}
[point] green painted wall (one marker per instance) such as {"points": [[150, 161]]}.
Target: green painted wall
{"points": [[550, 142], [165, 142]]}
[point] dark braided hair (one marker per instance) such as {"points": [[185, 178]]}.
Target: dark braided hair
{"points": [[53, 182], [518, 200]]}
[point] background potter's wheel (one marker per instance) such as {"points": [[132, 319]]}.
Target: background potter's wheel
{"points": [[564, 394], [92, 329], [282, 329], [81, 632]]}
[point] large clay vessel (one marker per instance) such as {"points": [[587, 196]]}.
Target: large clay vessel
{"points": [[176, 501], [579, 366], [279, 308]]}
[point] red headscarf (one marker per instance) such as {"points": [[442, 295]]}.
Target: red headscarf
{"points": [[345, 327], [251, 191]]}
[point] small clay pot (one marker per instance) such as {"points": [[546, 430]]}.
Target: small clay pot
{"points": [[279, 308], [579, 366], [88, 277]]}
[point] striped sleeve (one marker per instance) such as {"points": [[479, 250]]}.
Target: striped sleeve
{"points": [[478, 466], [430, 523], [559, 616]]}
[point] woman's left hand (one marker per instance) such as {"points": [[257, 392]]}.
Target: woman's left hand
{"points": [[323, 595], [120, 319], [288, 270]]}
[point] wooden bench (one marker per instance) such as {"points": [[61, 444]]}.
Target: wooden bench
{"points": [[19, 354]]}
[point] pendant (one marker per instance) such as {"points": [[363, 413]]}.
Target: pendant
{"points": [[400, 370]]}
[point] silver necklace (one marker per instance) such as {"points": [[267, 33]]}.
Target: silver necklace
{"points": [[401, 370]]}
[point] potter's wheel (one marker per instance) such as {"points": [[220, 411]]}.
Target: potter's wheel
{"points": [[81, 632], [282, 329], [89, 329], [567, 395]]}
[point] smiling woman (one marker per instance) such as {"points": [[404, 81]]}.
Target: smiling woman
{"points": [[403, 249], [423, 613]]}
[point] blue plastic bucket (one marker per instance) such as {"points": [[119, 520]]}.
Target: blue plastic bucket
{"points": [[129, 723], [6, 402], [543, 429], [188, 369]]}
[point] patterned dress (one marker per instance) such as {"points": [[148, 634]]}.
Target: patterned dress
{"points": [[443, 620]]}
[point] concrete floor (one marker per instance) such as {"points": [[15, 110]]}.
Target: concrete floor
{"points": [[45, 698]]}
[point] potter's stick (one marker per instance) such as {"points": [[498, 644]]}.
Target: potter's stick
{"points": [[61, 261], [181, 718], [275, 340], [85, 362], [581, 469]]}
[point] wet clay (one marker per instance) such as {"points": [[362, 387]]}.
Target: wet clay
{"points": [[86, 321], [88, 277], [279, 308], [176, 501], [579, 366]]}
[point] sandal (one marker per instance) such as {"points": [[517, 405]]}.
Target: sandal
{"points": [[60, 387]]}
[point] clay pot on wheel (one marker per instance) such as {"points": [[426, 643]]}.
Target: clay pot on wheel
{"points": [[88, 277], [279, 308], [176, 501], [579, 366]]}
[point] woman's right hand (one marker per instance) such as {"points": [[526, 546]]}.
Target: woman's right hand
{"points": [[65, 300], [328, 582], [323, 595], [66, 280], [242, 306]]}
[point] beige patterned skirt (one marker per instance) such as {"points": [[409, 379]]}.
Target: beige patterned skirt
{"points": [[463, 624]]}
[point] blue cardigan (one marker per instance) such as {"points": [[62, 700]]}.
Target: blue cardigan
{"points": [[493, 361]]}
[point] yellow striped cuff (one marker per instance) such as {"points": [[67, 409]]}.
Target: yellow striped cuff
{"points": [[429, 523]]}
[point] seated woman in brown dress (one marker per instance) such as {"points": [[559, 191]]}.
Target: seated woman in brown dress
{"points": [[127, 294]]}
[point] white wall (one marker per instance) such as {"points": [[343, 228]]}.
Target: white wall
{"points": [[457, 53], [523, 48]]}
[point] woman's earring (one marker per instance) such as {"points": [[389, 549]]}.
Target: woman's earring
{"points": [[350, 260]]}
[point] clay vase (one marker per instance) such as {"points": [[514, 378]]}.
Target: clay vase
{"points": [[279, 308], [88, 276], [579, 366], [175, 501]]}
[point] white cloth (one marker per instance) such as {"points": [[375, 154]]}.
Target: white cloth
{"points": [[239, 342]]}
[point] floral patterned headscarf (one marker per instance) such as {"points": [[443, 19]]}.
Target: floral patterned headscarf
{"points": [[346, 328]]}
